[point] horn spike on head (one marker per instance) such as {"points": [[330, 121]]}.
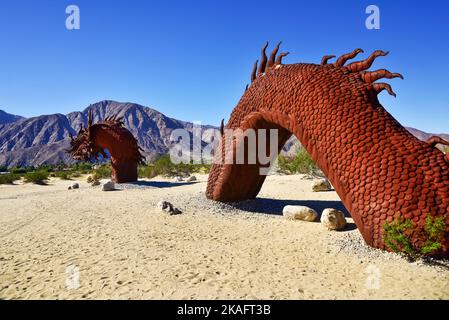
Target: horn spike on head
{"points": [[89, 118]]}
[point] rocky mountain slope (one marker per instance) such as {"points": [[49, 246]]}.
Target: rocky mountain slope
{"points": [[424, 135], [8, 118], [44, 139]]}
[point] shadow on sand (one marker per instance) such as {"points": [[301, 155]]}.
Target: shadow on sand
{"points": [[275, 206], [158, 184]]}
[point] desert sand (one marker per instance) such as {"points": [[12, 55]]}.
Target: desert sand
{"points": [[88, 244]]}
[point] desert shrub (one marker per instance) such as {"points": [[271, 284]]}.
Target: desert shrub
{"points": [[301, 163], [103, 171], [163, 166], [434, 229], [21, 170], [75, 174], [3, 169], [204, 168], [37, 177], [397, 236], [82, 167], [93, 178], [48, 168], [147, 171], [8, 178], [63, 175]]}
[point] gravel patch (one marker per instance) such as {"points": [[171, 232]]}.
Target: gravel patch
{"points": [[133, 186], [352, 243]]}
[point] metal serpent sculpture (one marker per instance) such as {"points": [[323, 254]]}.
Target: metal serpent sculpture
{"points": [[109, 134], [379, 170]]}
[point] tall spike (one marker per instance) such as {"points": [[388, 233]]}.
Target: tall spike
{"points": [[254, 72], [222, 127], [280, 56], [89, 119], [263, 61], [342, 60], [325, 59], [273, 54], [434, 140], [372, 76], [365, 64], [379, 87]]}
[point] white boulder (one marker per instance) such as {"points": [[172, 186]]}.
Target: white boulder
{"points": [[333, 219], [299, 213]]}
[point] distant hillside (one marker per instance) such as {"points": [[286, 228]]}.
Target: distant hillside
{"points": [[424, 135], [292, 146], [44, 139], [8, 118]]}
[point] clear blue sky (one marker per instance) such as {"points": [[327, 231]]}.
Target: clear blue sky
{"points": [[192, 59]]}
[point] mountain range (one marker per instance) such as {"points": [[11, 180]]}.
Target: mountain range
{"points": [[8, 118], [43, 140]]}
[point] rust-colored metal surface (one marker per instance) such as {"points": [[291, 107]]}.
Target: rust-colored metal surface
{"points": [[376, 166], [109, 134]]}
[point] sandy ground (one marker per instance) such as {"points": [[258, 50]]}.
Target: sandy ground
{"points": [[56, 243]]}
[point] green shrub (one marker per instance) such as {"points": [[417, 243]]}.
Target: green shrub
{"points": [[83, 167], [204, 168], [147, 171], [63, 175], [397, 236], [75, 174], [103, 171], [163, 166], [8, 178], [48, 168], [37, 177], [434, 229], [21, 170], [301, 163]]}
